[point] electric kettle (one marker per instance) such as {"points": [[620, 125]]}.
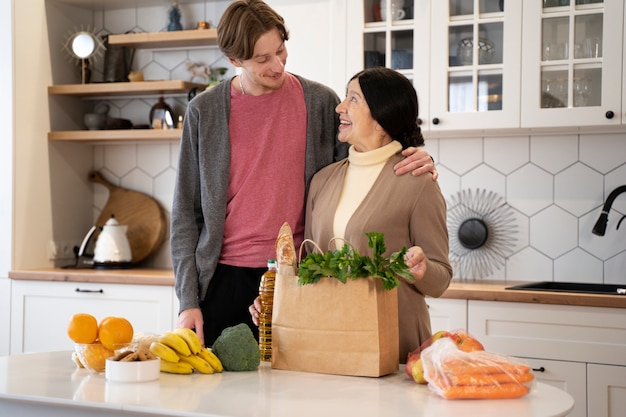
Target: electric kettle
{"points": [[112, 250]]}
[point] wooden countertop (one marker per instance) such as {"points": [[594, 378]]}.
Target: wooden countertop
{"points": [[133, 276], [495, 291], [485, 290]]}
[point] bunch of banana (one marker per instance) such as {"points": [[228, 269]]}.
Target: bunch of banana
{"points": [[181, 352]]}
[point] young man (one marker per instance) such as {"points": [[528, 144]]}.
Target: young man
{"points": [[249, 149]]}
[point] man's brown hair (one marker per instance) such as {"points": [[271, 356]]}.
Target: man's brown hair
{"points": [[243, 23]]}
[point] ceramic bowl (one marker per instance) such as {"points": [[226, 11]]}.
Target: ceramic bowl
{"points": [[136, 371]]}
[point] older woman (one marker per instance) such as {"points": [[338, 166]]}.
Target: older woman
{"points": [[360, 194]]}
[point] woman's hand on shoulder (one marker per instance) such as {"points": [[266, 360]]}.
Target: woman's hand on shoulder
{"points": [[415, 259], [417, 162]]}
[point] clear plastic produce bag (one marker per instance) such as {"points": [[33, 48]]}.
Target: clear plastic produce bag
{"points": [[454, 374]]}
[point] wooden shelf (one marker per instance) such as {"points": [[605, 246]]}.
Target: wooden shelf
{"points": [[121, 135], [173, 39], [124, 88]]}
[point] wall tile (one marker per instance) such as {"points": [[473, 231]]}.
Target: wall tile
{"points": [[603, 152], [529, 189], [578, 266], [460, 156], [120, 159], [614, 271], [506, 154], [449, 182], [576, 189], [554, 153], [153, 159], [484, 177], [153, 19], [139, 181], [553, 231], [120, 21], [529, 265]]}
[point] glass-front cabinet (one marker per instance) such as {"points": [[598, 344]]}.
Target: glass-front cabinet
{"points": [[572, 63], [475, 64], [390, 33]]}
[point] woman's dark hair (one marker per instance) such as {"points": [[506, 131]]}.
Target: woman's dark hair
{"points": [[243, 23], [393, 103]]}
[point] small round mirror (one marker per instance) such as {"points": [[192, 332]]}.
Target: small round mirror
{"points": [[473, 233], [83, 45]]}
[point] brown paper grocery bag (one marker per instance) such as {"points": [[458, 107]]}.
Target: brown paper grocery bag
{"points": [[335, 328]]}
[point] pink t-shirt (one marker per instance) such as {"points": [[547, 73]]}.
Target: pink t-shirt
{"points": [[266, 188]]}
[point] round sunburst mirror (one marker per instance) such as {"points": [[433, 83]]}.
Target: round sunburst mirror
{"points": [[83, 45], [482, 232]]}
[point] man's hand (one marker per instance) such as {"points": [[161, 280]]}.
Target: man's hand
{"points": [[192, 319], [254, 310], [417, 162]]}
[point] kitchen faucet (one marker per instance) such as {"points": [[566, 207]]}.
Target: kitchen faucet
{"points": [[600, 226]]}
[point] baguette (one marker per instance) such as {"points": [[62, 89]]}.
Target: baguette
{"points": [[285, 251]]}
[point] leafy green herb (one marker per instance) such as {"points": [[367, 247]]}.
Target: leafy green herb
{"points": [[346, 263]]}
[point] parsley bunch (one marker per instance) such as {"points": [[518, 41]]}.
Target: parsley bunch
{"points": [[346, 263]]}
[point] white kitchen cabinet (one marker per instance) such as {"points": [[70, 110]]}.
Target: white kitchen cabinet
{"points": [[572, 63], [607, 390], [41, 310], [447, 314], [591, 337], [565, 375]]}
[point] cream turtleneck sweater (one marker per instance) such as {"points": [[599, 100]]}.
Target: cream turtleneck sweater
{"points": [[363, 169]]}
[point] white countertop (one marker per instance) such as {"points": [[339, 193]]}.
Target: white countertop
{"points": [[50, 384]]}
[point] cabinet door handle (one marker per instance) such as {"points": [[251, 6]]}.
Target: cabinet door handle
{"points": [[101, 291], [540, 369], [609, 114], [436, 121]]}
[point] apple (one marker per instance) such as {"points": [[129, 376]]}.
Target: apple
{"points": [[413, 366], [462, 340]]}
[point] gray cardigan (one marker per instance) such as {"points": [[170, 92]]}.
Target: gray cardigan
{"points": [[199, 203]]}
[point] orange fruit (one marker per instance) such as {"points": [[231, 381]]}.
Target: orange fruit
{"points": [[94, 356], [83, 328], [115, 332]]}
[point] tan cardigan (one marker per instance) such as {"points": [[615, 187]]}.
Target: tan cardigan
{"points": [[409, 211]]}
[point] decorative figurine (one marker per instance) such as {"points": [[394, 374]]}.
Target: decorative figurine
{"points": [[198, 69], [174, 18]]}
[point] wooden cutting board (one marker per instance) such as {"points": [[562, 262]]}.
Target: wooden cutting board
{"points": [[141, 213]]}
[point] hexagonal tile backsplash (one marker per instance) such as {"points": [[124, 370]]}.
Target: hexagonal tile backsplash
{"points": [[555, 184]]}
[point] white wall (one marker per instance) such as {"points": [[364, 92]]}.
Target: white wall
{"points": [[315, 46], [6, 171]]}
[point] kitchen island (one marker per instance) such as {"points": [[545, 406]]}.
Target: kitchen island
{"points": [[49, 384]]}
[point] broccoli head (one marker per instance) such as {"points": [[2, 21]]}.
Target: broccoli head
{"points": [[237, 349]]}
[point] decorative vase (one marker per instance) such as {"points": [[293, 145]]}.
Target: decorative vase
{"points": [[174, 18]]}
